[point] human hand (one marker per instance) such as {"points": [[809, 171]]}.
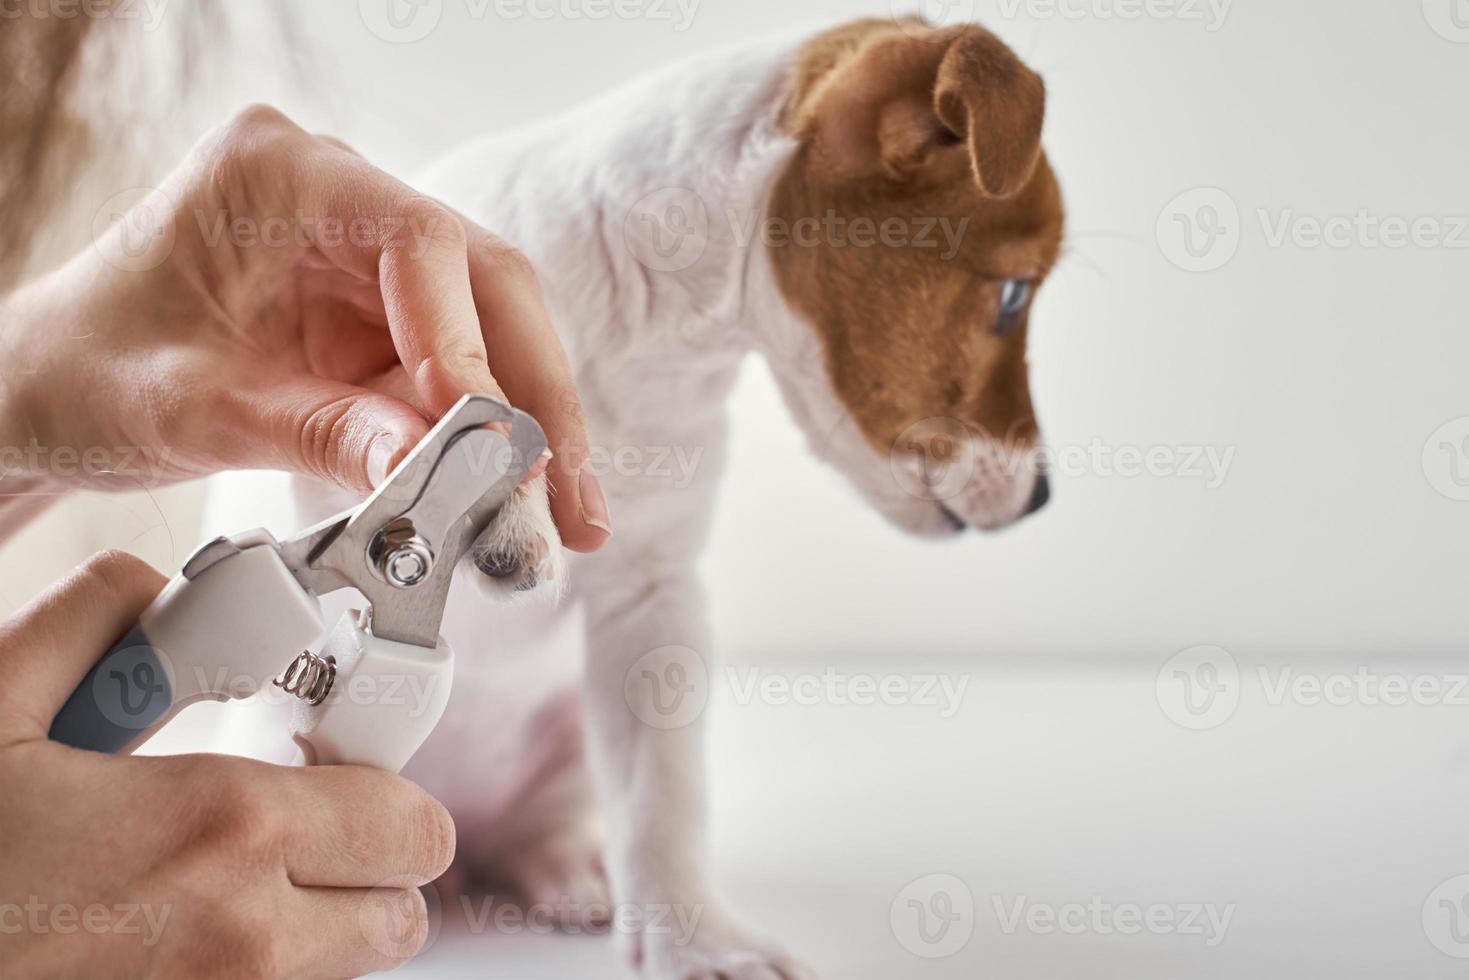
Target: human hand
{"points": [[192, 865], [281, 304]]}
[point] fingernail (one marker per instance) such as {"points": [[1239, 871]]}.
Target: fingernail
{"points": [[540, 466], [380, 458], [593, 501]]}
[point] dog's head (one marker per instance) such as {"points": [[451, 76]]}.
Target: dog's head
{"points": [[922, 218]]}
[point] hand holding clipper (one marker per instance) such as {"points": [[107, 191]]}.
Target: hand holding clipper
{"points": [[245, 609]]}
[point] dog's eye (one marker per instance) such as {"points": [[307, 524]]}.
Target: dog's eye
{"points": [[1014, 298]]}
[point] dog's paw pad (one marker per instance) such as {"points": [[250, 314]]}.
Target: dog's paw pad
{"points": [[520, 551], [497, 564]]}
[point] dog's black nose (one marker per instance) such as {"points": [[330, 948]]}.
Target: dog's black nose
{"points": [[1040, 496]]}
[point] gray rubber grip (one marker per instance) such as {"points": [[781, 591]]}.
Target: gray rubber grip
{"points": [[127, 692]]}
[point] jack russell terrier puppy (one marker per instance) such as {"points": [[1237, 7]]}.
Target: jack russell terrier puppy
{"points": [[868, 208]]}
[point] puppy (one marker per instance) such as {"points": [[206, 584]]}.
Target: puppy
{"points": [[870, 210]]}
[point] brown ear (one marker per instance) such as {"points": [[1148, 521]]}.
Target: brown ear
{"points": [[874, 98], [986, 95]]}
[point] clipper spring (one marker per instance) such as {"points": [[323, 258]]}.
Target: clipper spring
{"points": [[309, 678]]}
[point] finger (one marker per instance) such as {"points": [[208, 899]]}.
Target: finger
{"points": [[357, 827], [395, 382], [330, 430], [532, 367], [48, 647], [349, 932], [417, 253]]}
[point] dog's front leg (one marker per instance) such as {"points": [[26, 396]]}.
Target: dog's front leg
{"points": [[648, 683]]}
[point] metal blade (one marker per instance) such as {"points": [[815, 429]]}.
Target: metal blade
{"points": [[423, 519]]}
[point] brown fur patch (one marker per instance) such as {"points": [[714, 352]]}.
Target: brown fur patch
{"points": [[925, 127]]}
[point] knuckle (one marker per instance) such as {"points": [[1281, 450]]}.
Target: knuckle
{"points": [[507, 262], [325, 432], [257, 134], [458, 364], [427, 221], [565, 402], [242, 816], [116, 572], [257, 120]]}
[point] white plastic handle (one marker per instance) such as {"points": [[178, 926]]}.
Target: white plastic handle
{"points": [[385, 700], [219, 636]]}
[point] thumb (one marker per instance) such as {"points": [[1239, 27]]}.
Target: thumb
{"points": [[48, 647], [330, 430]]}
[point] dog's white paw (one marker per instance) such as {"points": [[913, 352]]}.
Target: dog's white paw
{"points": [[520, 551], [692, 946]]}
